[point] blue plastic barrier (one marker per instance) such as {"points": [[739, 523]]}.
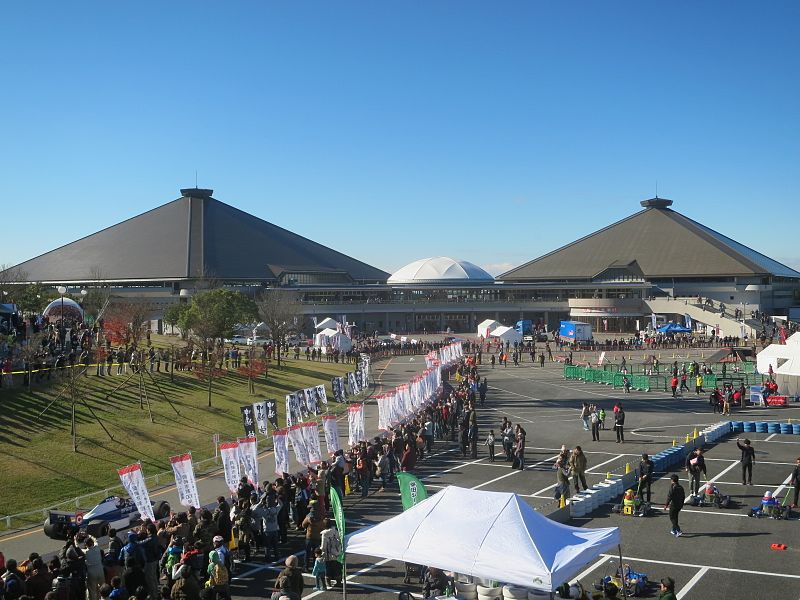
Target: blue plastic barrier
{"points": [[738, 426], [786, 428], [749, 426], [761, 427], [796, 428]]}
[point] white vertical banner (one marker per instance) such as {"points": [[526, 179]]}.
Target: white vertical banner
{"points": [[260, 411], [295, 434], [248, 454], [229, 452], [355, 424], [331, 429], [383, 412], [281, 444], [311, 438], [133, 482], [185, 480]]}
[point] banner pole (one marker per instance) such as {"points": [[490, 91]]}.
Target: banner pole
{"points": [[344, 577]]}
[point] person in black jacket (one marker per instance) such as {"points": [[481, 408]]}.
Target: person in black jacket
{"points": [[695, 465], [674, 504], [748, 458], [796, 481], [646, 468], [619, 423]]}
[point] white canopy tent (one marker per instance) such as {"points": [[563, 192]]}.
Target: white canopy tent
{"points": [[507, 334], [333, 338], [490, 535], [486, 327], [327, 323], [774, 355]]}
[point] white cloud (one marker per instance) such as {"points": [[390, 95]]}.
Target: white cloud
{"points": [[495, 269]]}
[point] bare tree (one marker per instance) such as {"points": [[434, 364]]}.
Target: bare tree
{"points": [[281, 312], [98, 295]]}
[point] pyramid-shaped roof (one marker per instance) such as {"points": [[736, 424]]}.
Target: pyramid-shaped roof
{"points": [[662, 242], [192, 237]]}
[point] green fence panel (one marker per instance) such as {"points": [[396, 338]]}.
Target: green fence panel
{"points": [[709, 381], [640, 382]]}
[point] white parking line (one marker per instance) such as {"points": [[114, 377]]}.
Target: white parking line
{"points": [[600, 562], [709, 567], [782, 486], [617, 457], [717, 477], [690, 584], [515, 471], [769, 437]]}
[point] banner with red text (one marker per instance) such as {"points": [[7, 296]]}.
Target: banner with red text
{"points": [[281, 444], [331, 429], [295, 434], [133, 482], [229, 452], [248, 454], [185, 480]]}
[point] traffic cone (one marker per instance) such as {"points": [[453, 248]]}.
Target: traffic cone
{"points": [[695, 433], [674, 442], [627, 468], [687, 438], [562, 502]]}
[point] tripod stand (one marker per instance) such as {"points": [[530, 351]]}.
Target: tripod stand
{"points": [[138, 370]]}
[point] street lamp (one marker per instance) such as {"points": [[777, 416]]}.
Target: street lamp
{"points": [[62, 290]]}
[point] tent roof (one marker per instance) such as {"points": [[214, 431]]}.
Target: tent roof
{"points": [[662, 242], [471, 532], [790, 367], [327, 323], [673, 328], [793, 339], [487, 323], [329, 332]]}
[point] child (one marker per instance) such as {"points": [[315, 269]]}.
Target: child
{"points": [[490, 444], [319, 571]]}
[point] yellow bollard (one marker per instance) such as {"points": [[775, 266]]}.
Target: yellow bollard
{"points": [[563, 502], [790, 421], [627, 468], [695, 433], [687, 438], [674, 442], [673, 355], [702, 355]]}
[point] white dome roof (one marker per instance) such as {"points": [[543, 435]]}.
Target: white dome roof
{"points": [[440, 269]]}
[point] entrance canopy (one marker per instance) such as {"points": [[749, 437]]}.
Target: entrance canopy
{"points": [[491, 535]]}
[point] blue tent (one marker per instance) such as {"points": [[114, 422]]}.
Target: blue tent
{"points": [[673, 328]]}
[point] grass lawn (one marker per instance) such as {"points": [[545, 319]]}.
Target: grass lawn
{"points": [[38, 467]]}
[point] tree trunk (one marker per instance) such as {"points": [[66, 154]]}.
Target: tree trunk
{"points": [[210, 381]]}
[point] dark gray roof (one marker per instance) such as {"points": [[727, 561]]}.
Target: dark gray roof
{"points": [[191, 237], [664, 244]]}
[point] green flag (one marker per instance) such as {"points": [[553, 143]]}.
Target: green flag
{"points": [[338, 515], [411, 490]]}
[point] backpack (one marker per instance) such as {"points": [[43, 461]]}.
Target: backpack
{"points": [[134, 559]]}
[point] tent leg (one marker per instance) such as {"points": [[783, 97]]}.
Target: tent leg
{"points": [[622, 573]]}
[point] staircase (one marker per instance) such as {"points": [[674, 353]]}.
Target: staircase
{"points": [[708, 315]]}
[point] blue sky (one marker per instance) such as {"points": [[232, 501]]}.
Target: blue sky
{"points": [[488, 131]]}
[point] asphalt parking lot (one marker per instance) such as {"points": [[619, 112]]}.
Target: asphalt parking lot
{"points": [[723, 553]]}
